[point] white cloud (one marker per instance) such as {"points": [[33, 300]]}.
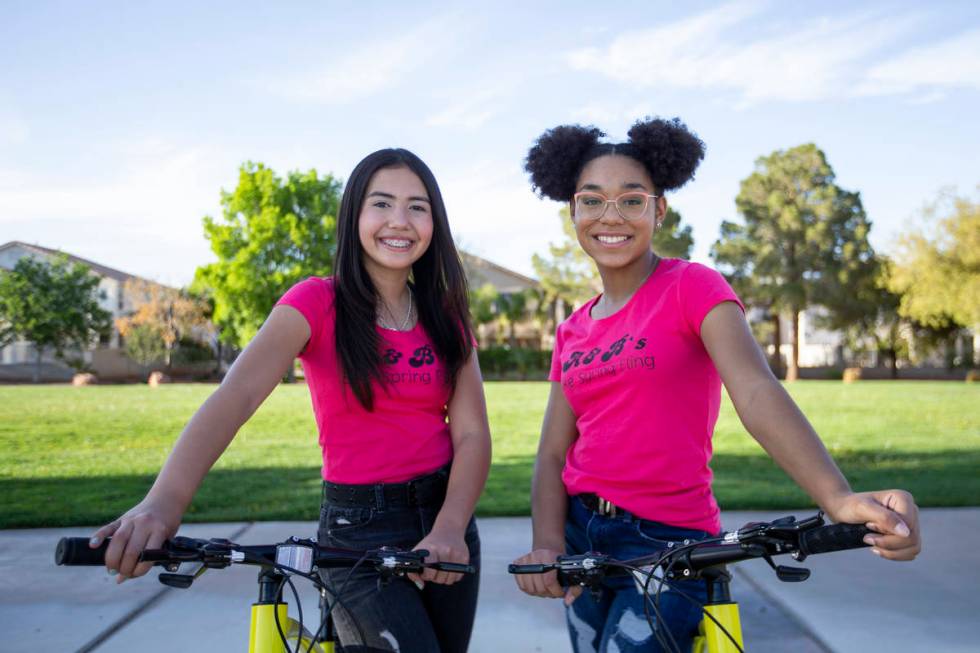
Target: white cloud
{"points": [[142, 216], [954, 62], [365, 70], [494, 214], [732, 48], [470, 108]]}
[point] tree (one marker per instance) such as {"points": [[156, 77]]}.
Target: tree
{"points": [[163, 314], [571, 275], [937, 266], [804, 239], [513, 308], [54, 306], [144, 344], [272, 234], [867, 314], [568, 273], [671, 240]]}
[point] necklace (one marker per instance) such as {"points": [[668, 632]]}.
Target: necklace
{"points": [[405, 322]]}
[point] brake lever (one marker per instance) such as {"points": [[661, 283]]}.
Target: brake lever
{"points": [[182, 581]]}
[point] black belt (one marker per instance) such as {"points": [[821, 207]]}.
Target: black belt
{"points": [[422, 491], [597, 504]]}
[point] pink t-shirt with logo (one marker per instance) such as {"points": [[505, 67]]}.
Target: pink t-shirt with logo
{"points": [[406, 435], [646, 397]]}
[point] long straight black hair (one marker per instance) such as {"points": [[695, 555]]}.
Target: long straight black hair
{"points": [[438, 282]]}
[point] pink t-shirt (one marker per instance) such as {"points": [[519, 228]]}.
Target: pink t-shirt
{"points": [[406, 435], [646, 396]]}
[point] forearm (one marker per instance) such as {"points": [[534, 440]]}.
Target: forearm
{"points": [[549, 503], [468, 475], [202, 441], [770, 415]]}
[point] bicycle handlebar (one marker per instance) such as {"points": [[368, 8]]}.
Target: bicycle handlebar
{"points": [[75, 551], [757, 540]]}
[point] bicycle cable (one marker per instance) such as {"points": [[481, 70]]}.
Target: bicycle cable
{"points": [[691, 599], [313, 578], [663, 580], [337, 595]]}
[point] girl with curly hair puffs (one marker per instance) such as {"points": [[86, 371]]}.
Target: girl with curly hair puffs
{"points": [[622, 464]]}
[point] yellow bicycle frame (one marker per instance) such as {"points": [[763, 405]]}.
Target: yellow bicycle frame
{"points": [[263, 635], [711, 638]]}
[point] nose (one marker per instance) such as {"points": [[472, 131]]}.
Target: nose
{"points": [[610, 214], [398, 218]]}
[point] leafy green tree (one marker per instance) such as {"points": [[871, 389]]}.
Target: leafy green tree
{"points": [[513, 308], [483, 304], [734, 252], [867, 314], [568, 272], [937, 267], [273, 233], [54, 306], [803, 240], [145, 344], [671, 240]]}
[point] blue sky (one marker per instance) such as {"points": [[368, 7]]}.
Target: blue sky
{"points": [[120, 122]]}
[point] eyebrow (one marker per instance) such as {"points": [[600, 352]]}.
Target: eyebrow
{"points": [[413, 198], [630, 185]]}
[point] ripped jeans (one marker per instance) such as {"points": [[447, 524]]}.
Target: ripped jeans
{"points": [[397, 616], [615, 621]]}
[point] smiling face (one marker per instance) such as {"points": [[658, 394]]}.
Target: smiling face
{"points": [[612, 241], [395, 223]]}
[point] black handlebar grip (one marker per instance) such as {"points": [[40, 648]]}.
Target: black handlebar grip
{"points": [[75, 551], [528, 569], [836, 537], [454, 567]]}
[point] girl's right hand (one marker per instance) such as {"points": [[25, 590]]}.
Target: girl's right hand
{"points": [[144, 526]]}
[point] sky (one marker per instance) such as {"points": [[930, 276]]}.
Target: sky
{"points": [[120, 123]]}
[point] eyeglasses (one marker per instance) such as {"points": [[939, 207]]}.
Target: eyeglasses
{"points": [[630, 206]]}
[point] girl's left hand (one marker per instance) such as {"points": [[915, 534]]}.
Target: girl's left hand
{"points": [[443, 546], [892, 513]]}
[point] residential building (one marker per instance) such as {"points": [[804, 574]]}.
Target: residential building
{"points": [[106, 359]]}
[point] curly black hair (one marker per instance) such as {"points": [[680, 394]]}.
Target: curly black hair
{"points": [[668, 150]]}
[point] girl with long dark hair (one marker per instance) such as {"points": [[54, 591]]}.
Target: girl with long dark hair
{"points": [[387, 348], [622, 464]]}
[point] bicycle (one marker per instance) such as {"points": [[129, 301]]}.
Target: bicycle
{"points": [[720, 628], [270, 628]]}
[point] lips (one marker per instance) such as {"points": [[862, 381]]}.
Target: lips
{"points": [[612, 240], [397, 244]]}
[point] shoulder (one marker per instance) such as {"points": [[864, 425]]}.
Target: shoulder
{"points": [[698, 275], [312, 290], [578, 316]]}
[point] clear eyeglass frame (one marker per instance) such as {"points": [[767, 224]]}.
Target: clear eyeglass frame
{"points": [[626, 211]]}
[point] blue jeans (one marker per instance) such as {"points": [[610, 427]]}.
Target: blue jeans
{"points": [[397, 616], [615, 619]]}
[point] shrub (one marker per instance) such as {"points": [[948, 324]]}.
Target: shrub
{"points": [[852, 374]]}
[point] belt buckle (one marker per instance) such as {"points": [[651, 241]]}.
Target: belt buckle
{"points": [[606, 508]]}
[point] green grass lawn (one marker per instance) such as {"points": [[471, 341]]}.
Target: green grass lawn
{"points": [[83, 455]]}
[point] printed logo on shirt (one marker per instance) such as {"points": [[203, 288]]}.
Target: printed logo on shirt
{"points": [[578, 368], [422, 357]]}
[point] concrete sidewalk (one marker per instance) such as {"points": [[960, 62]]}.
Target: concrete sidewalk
{"points": [[853, 601]]}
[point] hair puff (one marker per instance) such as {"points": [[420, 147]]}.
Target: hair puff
{"points": [[668, 149], [555, 160]]}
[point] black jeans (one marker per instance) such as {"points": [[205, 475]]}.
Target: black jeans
{"points": [[397, 616]]}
